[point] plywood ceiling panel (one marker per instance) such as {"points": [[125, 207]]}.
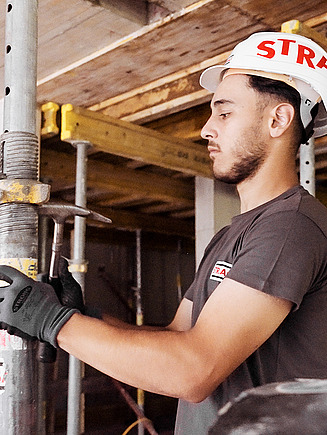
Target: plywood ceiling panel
{"points": [[162, 50], [69, 33], [274, 13]]}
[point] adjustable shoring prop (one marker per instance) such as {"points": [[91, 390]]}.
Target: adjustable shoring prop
{"points": [[20, 192], [75, 404]]}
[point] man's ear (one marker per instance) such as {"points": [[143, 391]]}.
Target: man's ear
{"points": [[281, 117]]}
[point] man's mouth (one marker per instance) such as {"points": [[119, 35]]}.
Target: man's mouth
{"points": [[213, 149]]}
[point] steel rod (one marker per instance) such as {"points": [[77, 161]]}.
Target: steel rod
{"points": [[42, 381], [178, 278], [75, 411], [131, 403], [139, 315]]}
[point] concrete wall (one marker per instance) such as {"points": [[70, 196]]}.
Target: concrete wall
{"points": [[215, 205]]}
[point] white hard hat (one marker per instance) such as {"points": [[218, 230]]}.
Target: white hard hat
{"points": [[291, 58]]}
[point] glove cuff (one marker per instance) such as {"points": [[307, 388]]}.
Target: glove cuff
{"points": [[62, 316]]}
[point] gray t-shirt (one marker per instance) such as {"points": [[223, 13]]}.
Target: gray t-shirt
{"points": [[279, 248]]}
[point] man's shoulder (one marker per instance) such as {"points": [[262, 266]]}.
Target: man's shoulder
{"points": [[316, 211], [300, 204]]}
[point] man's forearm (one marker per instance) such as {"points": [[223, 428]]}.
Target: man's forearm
{"points": [[160, 361], [113, 321]]}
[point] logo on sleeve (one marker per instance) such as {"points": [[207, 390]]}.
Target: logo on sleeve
{"points": [[220, 270]]}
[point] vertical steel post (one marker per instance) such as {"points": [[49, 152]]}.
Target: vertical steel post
{"points": [[75, 413], [139, 315], [42, 375], [18, 222], [179, 282], [307, 166]]}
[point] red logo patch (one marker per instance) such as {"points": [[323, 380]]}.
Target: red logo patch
{"points": [[220, 270]]}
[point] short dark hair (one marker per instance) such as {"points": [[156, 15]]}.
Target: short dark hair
{"points": [[282, 92]]}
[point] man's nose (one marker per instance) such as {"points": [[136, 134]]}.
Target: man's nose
{"points": [[208, 131]]}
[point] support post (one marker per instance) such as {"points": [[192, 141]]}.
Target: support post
{"points": [[139, 315], [43, 369], [307, 166], [178, 278], [18, 221], [75, 413], [307, 150]]}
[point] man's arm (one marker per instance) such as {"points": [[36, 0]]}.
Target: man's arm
{"points": [[183, 317], [185, 362], [181, 321]]}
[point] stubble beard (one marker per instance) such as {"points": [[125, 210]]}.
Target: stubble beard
{"points": [[249, 157]]}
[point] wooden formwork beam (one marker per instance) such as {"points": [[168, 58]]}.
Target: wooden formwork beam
{"points": [[122, 138]]}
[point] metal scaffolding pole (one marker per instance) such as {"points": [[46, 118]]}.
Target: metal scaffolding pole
{"points": [[139, 315], [178, 278], [307, 166], [75, 413], [18, 217]]}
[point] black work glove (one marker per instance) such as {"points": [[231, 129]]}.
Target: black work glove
{"points": [[67, 289], [29, 308], [71, 294]]}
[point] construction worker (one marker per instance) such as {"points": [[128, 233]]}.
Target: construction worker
{"points": [[257, 310]]}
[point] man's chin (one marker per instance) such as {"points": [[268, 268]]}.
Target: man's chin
{"points": [[227, 178]]}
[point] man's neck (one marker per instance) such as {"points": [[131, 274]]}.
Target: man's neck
{"points": [[260, 189]]}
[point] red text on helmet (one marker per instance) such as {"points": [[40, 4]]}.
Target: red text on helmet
{"points": [[304, 54]]}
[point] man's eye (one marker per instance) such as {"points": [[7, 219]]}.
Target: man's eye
{"points": [[224, 115]]}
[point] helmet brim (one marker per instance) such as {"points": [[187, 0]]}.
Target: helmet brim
{"points": [[211, 77]]}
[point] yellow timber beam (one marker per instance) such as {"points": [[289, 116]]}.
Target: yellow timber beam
{"points": [[135, 142], [295, 26]]}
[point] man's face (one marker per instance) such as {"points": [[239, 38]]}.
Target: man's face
{"points": [[235, 131]]}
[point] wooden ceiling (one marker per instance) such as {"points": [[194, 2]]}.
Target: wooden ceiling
{"points": [[139, 61]]}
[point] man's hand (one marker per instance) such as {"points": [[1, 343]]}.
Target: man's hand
{"points": [[71, 293], [29, 308]]}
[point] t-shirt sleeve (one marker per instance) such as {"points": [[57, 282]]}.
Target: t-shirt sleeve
{"points": [[282, 255], [189, 293]]}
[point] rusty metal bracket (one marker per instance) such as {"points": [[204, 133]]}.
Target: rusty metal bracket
{"points": [[23, 191]]}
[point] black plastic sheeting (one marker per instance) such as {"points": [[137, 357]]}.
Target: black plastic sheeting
{"points": [[289, 408]]}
